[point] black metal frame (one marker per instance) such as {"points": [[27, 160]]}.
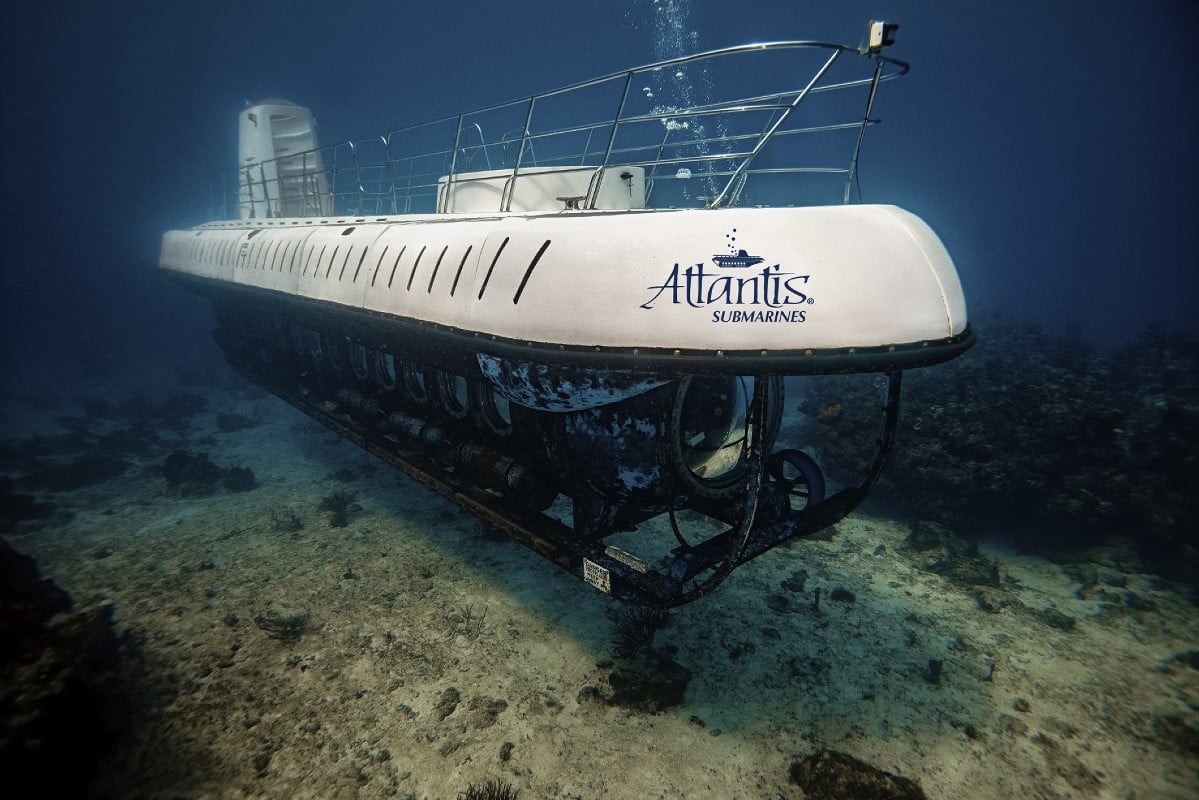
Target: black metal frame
{"points": [[760, 520]]}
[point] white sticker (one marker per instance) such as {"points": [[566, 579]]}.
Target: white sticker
{"points": [[597, 576]]}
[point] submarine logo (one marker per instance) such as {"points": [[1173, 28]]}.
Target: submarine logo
{"points": [[740, 261], [735, 292]]}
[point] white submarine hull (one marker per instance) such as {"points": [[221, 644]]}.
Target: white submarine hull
{"points": [[603, 322], [838, 288]]}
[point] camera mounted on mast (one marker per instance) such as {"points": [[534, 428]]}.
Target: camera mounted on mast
{"points": [[879, 35]]}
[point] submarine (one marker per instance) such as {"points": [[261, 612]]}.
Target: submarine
{"points": [[576, 314]]}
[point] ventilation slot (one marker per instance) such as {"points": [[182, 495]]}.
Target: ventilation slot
{"points": [[342, 272], [358, 268], [308, 260], [379, 263], [278, 248], [461, 264], [415, 264], [436, 267], [532, 265], [396, 264], [487, 277]]}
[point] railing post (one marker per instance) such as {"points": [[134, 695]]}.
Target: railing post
{"points": [[266, 192], [624, 98], [589, 201], [770, 131], [853, 162], [520, 155], [357, 174], [449, 179]]}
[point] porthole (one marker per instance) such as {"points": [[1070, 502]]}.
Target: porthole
{"points": [[335, 352], [387, 372], [495, 410], [414, 382], [360, 363], [706, 431], [453, 392]]}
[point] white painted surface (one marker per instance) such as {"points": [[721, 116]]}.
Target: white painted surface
{"points": [[874, 275]]}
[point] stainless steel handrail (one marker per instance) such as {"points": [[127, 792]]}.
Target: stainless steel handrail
{"points": [[422, 172]]}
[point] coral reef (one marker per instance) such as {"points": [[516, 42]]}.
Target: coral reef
{"points": [[173, 410], [286, 521], [1031, 427], [61, 698], [194, 475], [16, 507], [938, 550], [286, 626], [491, 790], [230, 422], [831, 775], [644, 678], [635, 629], [88, 469], [337, 505]]}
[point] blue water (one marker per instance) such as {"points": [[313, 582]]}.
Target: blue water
{"points": [[1051, 150], [1050, 146]]}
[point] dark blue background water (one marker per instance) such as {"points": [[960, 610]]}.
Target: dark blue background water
{"points": [[1051, 145]]}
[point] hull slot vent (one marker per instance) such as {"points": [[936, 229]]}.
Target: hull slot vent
{"points": [[529, 271], [379, 263], [358, 268], [342, 272], [415, 264], [436, 267], [461, 264], [487, 277], [395, 265]]}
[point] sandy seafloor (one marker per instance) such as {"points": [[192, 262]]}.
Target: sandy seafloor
{"points": [[410, 600]]}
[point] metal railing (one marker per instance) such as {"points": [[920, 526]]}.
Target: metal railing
{"points": [[718, 128]]}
